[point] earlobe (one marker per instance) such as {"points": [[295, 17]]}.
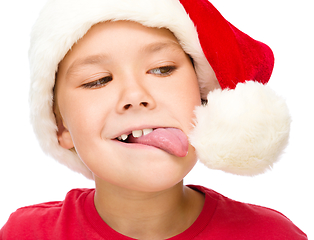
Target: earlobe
{"points": [[64, 136]]}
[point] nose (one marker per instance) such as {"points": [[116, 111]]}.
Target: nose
{"points": [[134, 96]]}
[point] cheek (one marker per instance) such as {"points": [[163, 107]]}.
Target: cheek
{"points": [[83, 114], [186, 97], [188, 88]]}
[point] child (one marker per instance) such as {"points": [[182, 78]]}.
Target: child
{"points": [[114, 88]]}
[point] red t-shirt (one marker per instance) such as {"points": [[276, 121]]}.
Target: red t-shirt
{"points": [[76, 218]]}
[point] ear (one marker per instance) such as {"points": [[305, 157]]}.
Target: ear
{"points": [[64, 136]]}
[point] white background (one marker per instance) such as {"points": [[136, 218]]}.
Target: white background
{"points": [[27, 176]]}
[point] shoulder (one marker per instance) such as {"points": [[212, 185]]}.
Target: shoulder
{"points": [[49, 210], [236, 218], [40, 217]]}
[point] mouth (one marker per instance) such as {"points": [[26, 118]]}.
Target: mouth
{"points": [[125, 137], [172, 140]]}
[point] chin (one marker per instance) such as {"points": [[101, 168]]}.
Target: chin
{"points": [[162, 177], [144, 171]]}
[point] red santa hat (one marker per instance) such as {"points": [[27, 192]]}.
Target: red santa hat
{"points": [[243, 128]]}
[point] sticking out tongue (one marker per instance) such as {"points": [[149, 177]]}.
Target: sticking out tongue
{"points": [[171, 140]]}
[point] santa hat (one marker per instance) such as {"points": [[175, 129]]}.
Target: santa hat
{"points": [[243, 128]]}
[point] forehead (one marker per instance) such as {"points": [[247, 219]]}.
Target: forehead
{"points": [[100, 41]]}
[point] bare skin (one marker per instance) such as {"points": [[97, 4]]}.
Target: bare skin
{"points": [[139, 190], [151, 216]]}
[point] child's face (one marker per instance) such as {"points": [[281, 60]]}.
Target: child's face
{"points": [[122, 76]]}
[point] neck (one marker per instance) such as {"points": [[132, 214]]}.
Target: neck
{"points": [[148, 215]]}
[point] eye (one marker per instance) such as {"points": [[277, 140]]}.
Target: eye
{"points": [[162, 71], [98, 83]]}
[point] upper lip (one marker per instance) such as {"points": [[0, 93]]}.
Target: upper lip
{"points": [[129, 130]]}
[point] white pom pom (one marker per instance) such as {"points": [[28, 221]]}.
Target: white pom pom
{"points": [[241, 131]]}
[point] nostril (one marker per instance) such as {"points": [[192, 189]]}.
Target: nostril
{"points": [[127, 106], [144, 104]]}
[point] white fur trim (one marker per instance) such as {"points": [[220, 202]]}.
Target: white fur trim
{"points": [[62, 23], [241, 131]]}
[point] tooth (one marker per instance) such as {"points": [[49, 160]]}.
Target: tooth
{"points": [[137, 133], [120, 138], [124, 137], [147, 131]]}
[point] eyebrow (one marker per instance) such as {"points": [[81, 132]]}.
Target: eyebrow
{"points": [[99, 59], [159, 46], [89, 60]]}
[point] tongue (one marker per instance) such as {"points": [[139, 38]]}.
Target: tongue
{"points": [[171, 140]]}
